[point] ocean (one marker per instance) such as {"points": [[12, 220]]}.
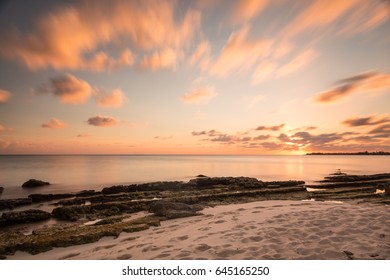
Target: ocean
{"points": [[72, 173]]}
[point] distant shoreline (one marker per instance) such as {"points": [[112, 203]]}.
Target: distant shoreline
{"points": [[351, 154]]}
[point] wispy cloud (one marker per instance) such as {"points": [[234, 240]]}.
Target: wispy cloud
{"points": [[102, 121], [114, 98], [319, 14], [201, 55], [54, 124], [160, 59], [4, 96], [270, 128], [199, 95], [370, 81], [364, 121], [240, 53], [71, 35], [84, 136], [245, 10], [298, 62]]}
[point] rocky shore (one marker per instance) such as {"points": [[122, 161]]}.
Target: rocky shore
{"points": [[42, 222]]}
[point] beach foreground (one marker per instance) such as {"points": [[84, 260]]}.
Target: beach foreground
{"points": [[278, 229]]}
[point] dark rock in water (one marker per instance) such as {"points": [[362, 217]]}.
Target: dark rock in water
{"points": [[173, 210], [289, 183], [27, 216], [1, 190], [32, 183], [47, 197], [156, 186], [244, 182], [13, 203], [86, 193], [201, 176]]}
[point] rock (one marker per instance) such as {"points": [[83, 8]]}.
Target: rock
{"points": [[32, 183], [47, 197], [201, 176], [1, 190], [244, 182], [173, 210], [27, 216], [12, 203]]}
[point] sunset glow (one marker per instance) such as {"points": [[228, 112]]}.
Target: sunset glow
{"points": [[194, 77]]}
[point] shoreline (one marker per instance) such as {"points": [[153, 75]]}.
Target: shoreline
{"points": [[45, 223], [256, 230]]}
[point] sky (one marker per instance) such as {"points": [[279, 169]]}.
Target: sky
{"points": [[194, 77]]}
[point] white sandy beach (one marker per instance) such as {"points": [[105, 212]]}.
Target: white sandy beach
{"points": [[258, 230]]}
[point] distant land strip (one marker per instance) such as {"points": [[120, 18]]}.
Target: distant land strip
{"points": [[380, 153]]}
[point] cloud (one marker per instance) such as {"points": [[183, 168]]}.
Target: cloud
{"points": [[369, 81], [298, 62], [199, 95], [160, 59], [369, 120], [2, 128], [270, 128], [263, 72], [382, 129], [67, 36], [262, 137], [239, 54], [197, 133], [54, 124], [102, 61], [319, 14], [4, 96], [114, 98], [201, 55], [102, 121], [245, 10], [68, 88], [84, 136], [163, 137], [367, 16]]}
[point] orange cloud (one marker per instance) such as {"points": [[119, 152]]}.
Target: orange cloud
{"points": [[263, 72], [244, 10], [115, 98], [160, 59], [2, 128], [4, 96], [320, 13], [199, 95], [201, 55], [363, 121], [54, 124], [68, 88], [67, 35], [240, 53], [270, 128], [102, 121], [282, 50], [367, 16], [102, 61], [298, 62], [370, 81]]}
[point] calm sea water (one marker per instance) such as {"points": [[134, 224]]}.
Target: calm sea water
{"points": [[79, 172]]}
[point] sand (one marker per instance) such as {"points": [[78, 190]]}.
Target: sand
{"points": [[258, 230]]}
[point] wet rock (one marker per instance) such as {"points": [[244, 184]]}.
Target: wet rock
{"points": [[32, 183], [155, 186], [173, 210], [1, 190], [289, 183], [27, 216], [48, 197], [201, 176], [13, 203], [76, 212], [244, 182]]}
